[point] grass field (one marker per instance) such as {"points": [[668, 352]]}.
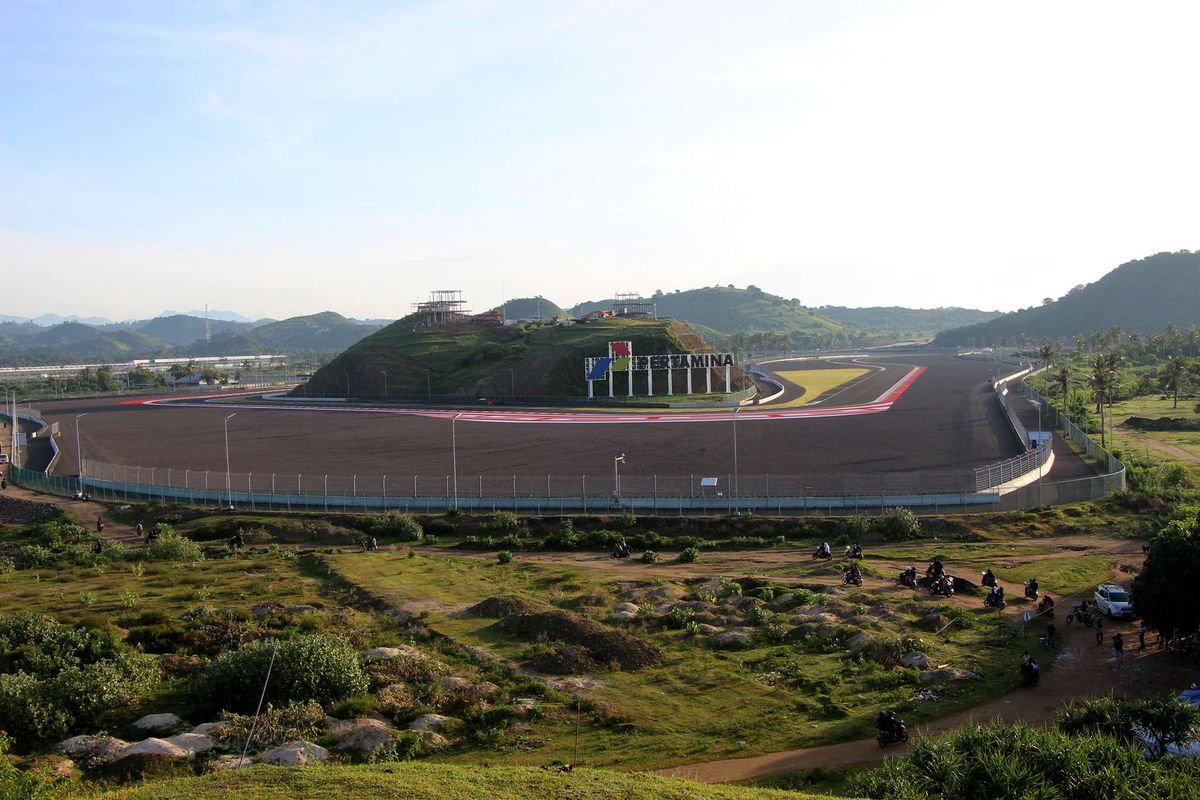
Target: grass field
{"points": [[422, 781], [1183, 446], [817, 382]]}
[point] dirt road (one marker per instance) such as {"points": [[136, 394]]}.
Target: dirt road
{"points": [[84, 512]]}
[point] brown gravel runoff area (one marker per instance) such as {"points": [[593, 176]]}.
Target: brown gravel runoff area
{"points": [[947, 420]]}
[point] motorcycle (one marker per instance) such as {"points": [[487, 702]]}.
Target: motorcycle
{"points": [[945, 589], [994, 601], [852, 553], [1046, 608], [1030, 674], [1084, 615], [621, 553], [884, 738], [822, 555], [1031, 589], [906, 579], [850, 577]]}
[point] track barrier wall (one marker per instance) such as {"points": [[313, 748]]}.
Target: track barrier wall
{"points": [[928, 492]]}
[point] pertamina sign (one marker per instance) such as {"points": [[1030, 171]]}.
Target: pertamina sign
{"points": [[620, 358]]}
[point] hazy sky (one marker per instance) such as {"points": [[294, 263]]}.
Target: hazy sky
{"points": [[286, 158]]}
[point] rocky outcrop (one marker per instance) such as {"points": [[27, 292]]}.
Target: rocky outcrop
{"points": [[295, 754], [157, 723], [87, 750]]}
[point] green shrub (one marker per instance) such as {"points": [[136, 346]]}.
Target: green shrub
{"points": [[678, 617], [170, 546], [759, 616], [649, 557], [504, 556], [316, 667], [898, 524], [506, 521], [688, 555], [28, 785], [729, 588], [400, 527], [32, 556], [855, 526], [275, 726]]}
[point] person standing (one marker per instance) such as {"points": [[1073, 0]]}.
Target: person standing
{"points": [[1118, 645], [1099, 632], [1142, 631], [1050, 631]]}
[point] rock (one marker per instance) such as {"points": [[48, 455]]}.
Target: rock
{"points": [[337, 728], [399, 651], [295, 753], [708, 630], [487, 690], [228, 762], [524, 707], [931, 622], [946, 674], [300, 609], [267, 608], [735, 637], [91, 749], [159, 748], [629, 608], [914, 660], [158, 723], [193, 743], [366, 736], [622, 616], [207, 728], [428, 722], [858, 641], [453, 683], [430, 740]]}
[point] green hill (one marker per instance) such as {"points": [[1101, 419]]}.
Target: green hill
{"points": [[522, 360], [724, 310], [1141, 296], [906, 321], [531, 308], [327, 332], [417, 780], [182, 329]]}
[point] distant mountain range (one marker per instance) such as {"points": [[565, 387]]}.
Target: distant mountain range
{"points": [[1143, 296], [177, 335]]}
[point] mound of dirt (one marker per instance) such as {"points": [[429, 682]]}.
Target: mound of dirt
{"points": [[501, 607], [603, 644], [1163, 424], [566, 659], [16, 510]]}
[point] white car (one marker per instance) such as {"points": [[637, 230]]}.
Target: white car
{"points": [[1113, 600]]}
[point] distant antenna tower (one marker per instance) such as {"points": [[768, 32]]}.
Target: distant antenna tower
{"points": [[207, 329]]}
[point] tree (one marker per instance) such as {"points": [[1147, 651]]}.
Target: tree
{"points": [[1164, 592], [1047, 353], [1101, 380], [1173, 375], [210, 375], [179, 371], [1063, 378]]}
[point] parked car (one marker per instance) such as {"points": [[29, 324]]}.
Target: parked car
{"points": [[1113, 600]]}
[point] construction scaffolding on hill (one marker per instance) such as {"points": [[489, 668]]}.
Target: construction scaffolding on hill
{"points": [[632, 306], [444, 307]]}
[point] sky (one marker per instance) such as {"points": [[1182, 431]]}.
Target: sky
{"points": [[286, 158]]}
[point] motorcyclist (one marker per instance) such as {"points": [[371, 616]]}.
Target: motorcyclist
{"points": [[854, 575], [988, 579], [1031, 588], [887, 724], [909, 576], [100, 524], [1046, 606], [854, 551], [936, 567], [1029, 670], [140, 530], [237, 541], [942, 585], [823, 551]]}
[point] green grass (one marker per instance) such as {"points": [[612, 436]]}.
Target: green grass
{"points": [[424, 781]]}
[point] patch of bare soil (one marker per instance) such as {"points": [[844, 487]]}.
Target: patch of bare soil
{"points": [[566, 659], [501, 607], [604, 645]]}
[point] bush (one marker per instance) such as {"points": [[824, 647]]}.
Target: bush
{"points": [[506, 521], [170, 546], [759, 616], [898, 524], [504, 556], [689, 555], [678, 617], [400, 527], [32, 556], [316, 667], [649, 557], [29, 785], [855, 526], [275, 726]]}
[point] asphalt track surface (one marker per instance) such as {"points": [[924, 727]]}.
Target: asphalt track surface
{"points": [[945, 421]]}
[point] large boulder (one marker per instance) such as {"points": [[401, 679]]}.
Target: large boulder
{"points": [[159, 749], [55, 767], [932, 621], [365, 736], [735, 637], [858, 641], [398, 651], [228, 762], [914, 660], [945, 674], [194, 743], [708, 630], [208, 728], [295, 753], [91, 750], [157, 723], [428, 722]]}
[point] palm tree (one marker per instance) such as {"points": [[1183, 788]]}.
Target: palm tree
{"points": [[1173, 374], [1101, 379], [1047, 353], [1063, 378]]}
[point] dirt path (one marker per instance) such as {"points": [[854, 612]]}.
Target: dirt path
{"points": [[83, 512], [1081, 669], [1166, 448]]}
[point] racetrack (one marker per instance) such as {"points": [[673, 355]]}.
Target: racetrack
{"points": [[945, 421]]}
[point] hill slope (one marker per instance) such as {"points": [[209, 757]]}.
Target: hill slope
{"points": [[910, 321], [325, 332], [181, 329], [529, 361], [531, 308], [419, 780], [1142, 296], [727, 310]]}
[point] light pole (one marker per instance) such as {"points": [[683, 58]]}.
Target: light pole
{"points": [[428, 386], [228, 484], [617, 475], [454, 455], [512, 383], [385, 391], [735, 459], [78, 449], [347, 385]]}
